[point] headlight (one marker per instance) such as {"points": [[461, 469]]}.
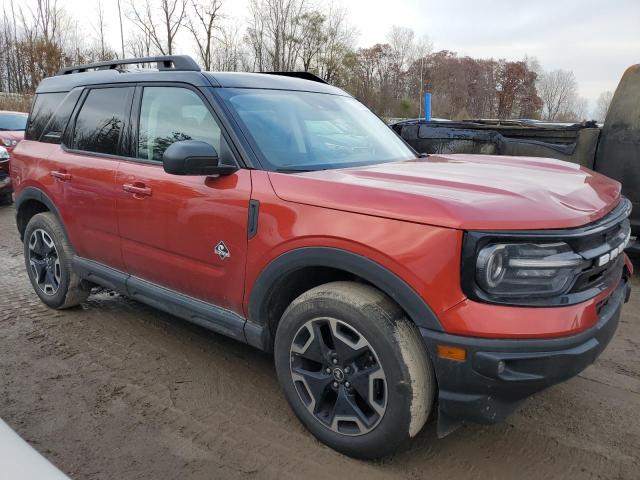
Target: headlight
{"points": [[4, 155], [7, 142], [527, 270]]}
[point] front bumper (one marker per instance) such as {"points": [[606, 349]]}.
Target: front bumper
{"points": [[498, 374], [5, 184]]}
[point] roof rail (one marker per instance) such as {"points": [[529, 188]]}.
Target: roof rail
{"points": [[302, 75], [167, 62]]}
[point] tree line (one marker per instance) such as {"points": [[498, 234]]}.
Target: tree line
{"points": [[287, 35]]}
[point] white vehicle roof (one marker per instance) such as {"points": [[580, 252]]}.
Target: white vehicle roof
{"points": [[20, 461]]}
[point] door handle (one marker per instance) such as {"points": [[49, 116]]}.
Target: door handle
{"points": [[61, 175], [137, 189]]}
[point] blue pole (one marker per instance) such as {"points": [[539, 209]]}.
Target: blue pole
{"points": [[427, 106]]}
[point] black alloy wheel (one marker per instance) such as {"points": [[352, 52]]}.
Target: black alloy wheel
{"points": [[44, 262], [338, 376]]}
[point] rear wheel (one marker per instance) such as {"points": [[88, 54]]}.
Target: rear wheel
{"points": [[354, 369], [47, 255]]}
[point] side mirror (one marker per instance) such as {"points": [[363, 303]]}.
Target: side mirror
{"points": [[192, 157]]}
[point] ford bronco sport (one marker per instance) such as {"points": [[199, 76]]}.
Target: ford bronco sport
{"points": [[281, 212]]}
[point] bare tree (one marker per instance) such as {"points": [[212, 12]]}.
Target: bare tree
{"points": [[579, 110], [47, 19], [602, 105], [558, 90], [172, 18], [121, 28], [314, 37], [140, 45], [339, 40], [274, 32], [45, 32], [203, 27], [99, 29], [230, 55], [403, 47]]}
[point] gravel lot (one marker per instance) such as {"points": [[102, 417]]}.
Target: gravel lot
{"points": [[115, 389]]}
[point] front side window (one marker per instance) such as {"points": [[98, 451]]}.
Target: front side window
{"points": [[313, 131], [101, 120], [173, 114]]}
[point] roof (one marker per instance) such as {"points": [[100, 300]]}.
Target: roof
{"points": [[65, 83]]}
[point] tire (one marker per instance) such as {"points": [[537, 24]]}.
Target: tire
{"points": [[390, 382], [48, 255]]}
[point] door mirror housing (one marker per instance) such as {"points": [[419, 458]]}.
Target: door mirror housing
{"points": [[193, 157]]}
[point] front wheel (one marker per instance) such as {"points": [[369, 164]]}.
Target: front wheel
{"points": [[354, 369]]}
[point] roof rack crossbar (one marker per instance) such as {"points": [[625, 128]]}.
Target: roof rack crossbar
{"points": [[167, 62], [302, 75]]}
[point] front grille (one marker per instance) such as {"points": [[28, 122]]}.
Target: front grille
{"points": [[599, 276], [598, 241]]}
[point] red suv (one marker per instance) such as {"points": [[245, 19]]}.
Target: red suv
{"points": [[281, 212], [12, 126]]}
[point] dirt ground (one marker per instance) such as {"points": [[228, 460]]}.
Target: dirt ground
{"points": [[117, 390]]}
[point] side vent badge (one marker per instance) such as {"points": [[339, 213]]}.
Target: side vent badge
{"points": [[222, 251]]}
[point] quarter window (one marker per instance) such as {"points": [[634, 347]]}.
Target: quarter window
{"points": [[101, 120], [173, 114], [43, 107]]}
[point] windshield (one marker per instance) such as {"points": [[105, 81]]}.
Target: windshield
{"points": [[313, 131], [13, 121]]}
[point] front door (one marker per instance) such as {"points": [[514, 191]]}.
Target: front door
{"points": [[186, 233]]}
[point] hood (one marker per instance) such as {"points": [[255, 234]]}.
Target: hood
{"points": [[16, 135], [470, 192]]}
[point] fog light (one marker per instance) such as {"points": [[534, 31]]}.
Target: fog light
{"points": [[452, 353], [4, 181]]}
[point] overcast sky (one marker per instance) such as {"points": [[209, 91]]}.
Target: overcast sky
{"points": [[597, 39]]}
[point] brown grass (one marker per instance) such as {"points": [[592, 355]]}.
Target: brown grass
{"points": [[15, 103]]}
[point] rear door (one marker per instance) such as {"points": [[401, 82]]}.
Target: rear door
{"points": [[86, 166], [186, 233]]}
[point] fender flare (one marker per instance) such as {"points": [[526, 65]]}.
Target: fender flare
{"points": [[257, 332], [33, 193]]}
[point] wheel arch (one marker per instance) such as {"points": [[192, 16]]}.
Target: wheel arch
{"points": [[30, 202], [301, 269]]}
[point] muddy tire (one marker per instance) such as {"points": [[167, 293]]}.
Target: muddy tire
{"points": [[354, 369], [48, 255]]}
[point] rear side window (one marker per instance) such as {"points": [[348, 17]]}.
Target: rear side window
{"points": [[101, 120], [43, 107]]}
